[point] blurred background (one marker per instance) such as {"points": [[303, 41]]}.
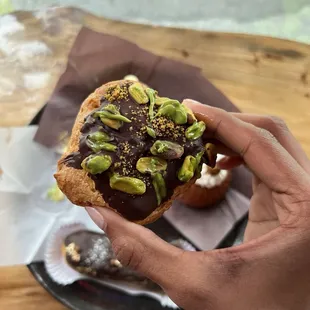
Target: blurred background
{"points": [[288, 19], [57, 53]]}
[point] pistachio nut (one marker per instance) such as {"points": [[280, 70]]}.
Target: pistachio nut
{"points": [[163, 100], [198, 158], [151, 165], [195, 131], [167, 149], [188, 168], [174, 110], [191, 118], [112, 108], [112, 116], [180, 116], [95, 164], [97, 147], [127, 185], [151, 132], [211, 154], [138, 93], [159, 186], [97, 141], [112, 123], [99, 136], [151, 94]]}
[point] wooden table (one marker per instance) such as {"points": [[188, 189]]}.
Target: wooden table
{"points": [[259, 74]]}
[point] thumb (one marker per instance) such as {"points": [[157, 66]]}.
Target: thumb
{"points": [[139, 248]]}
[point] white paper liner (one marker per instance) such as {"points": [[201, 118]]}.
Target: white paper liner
{"points": [[54, 259], [63, 274], [185, 245]]}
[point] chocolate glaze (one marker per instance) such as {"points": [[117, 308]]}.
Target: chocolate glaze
{"points": [[97, 259], [132, 207]]}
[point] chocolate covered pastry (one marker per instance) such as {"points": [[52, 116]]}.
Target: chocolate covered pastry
{"points": [[132, 151], [91, 254]]}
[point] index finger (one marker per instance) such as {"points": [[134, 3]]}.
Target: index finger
{"points": [[268, 160]]}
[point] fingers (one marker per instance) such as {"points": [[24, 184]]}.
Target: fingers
{"points": [[279, 129], [258, 148], [274, 125], [140, 249]]}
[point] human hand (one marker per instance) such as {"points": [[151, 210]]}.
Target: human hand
{"points": [[270, 270]]}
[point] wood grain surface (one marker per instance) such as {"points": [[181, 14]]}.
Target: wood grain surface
{"points": [[259, 74]]}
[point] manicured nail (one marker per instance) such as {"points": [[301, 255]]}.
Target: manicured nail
{"points": [[191, 102], [97, 218]]}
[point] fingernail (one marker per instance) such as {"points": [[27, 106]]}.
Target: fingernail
{"points": [[97, 218], [191, 102]]}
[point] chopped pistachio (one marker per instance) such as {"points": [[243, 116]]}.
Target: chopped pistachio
{"points": [[151, 165], [180, 117], [95, 164], [99, 136], [112, 123], [97, 141], [112, 116], [127, 185], [198, 158], [187, 170], [195, 131], [164, 100], [167, 149], [151, 132], [174, 110], [151, 95], [159, 186], [97, 147], [112, 108], [138, 93]]}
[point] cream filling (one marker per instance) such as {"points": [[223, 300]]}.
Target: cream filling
{"points": [[208, 180]]}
